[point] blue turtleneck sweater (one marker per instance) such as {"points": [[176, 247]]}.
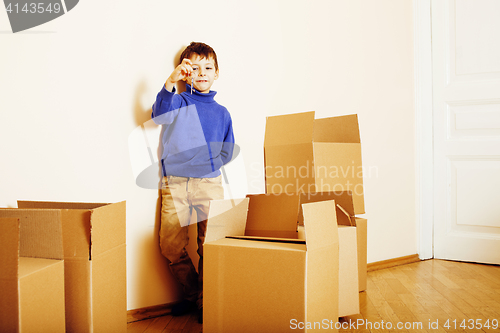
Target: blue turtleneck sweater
{"points": [[197, 133]]}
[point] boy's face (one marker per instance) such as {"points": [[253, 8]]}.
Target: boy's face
{"points": [[204, 73]]}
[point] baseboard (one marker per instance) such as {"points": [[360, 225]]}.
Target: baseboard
{"points": [[149, 312], [374, 266]]}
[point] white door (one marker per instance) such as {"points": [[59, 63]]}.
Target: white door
{"points": [[466, 129]]}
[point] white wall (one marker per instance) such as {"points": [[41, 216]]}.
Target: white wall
{"points": [[72, 91]]}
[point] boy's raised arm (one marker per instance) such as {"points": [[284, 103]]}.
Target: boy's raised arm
{"points": [[181, 72], [163, 102]]}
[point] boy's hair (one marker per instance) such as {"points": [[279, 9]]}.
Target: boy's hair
{"points": [[201, 49]]}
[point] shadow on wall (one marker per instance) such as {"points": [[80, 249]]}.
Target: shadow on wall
{"points": [[181, 85], [141, 115], [153, 261]]}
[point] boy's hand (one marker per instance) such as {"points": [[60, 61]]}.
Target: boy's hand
{"points": [[181, 72]]}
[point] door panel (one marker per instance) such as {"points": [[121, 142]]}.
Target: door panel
{"points": [[466, 129]]}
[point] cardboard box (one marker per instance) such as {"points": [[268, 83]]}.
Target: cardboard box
{"points": [[345, 216], [361, 233], [348, 270], [303, 154], [95, 264], [260, 280], [31, 272]]}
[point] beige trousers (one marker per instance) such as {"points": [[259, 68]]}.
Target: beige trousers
{"points": [[180, 195]]}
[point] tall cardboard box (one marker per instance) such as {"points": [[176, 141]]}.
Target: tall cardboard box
{"points": [[31, 272], [256, 279], [311, 156], [303, 154], [95, 264], [346, 217]]}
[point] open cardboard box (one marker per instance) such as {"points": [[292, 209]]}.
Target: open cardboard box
{"points": [[345, 217], [303, 154], [95, 264], [258, 277], [31, 272]]}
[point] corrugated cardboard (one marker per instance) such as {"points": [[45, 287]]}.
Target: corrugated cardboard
{"points": [[343, 201], [267, 218], [348, 270], [31, 272], [303, 154], [256, 283], [361, 232], [345, 216], [95, 264]]}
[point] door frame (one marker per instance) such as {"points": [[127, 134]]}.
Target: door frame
{"points": [[424, 166]]}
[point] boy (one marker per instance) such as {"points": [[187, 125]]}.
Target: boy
{"points": [[197, 140]]}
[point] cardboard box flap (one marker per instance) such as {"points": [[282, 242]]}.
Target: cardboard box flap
{"points": [[40, 232], [107, 227], [272, 215], [9, 263], [322, 242], [89, 228], [28, 266], [343, 129], [338, 167], [76, 233], [343, 202], [58, 205], [9, 250], [226, 218], [78, 285], [289, 129], [289, 168], [109, 291], [320, 224]]}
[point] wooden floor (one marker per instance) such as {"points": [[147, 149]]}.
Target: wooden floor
{"points": [[427, 296]]}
